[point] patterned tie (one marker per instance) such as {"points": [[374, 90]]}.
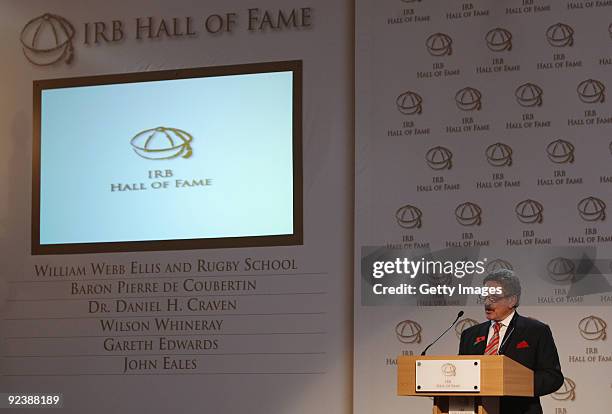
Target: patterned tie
{"points": [[492, 346]]}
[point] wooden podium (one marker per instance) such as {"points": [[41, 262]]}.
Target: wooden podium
{"points": [[499, 376]]}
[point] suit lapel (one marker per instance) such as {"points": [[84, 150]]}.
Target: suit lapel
{"points": [[515, 330], [483, 331]]}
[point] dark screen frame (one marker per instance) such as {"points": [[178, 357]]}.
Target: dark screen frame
{"points": [[296, 238]]}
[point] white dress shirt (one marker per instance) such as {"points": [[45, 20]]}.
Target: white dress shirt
{"points": [[502, 329]]}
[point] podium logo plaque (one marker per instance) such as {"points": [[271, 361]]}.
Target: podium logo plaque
{"points": [[447, 376]]}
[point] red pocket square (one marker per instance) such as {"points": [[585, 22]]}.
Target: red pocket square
{"points": [[480, 339], [522, 344]]}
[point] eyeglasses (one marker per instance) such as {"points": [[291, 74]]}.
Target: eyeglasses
{"points": [[492, 298]]}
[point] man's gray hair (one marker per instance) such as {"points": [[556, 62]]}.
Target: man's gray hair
{"points": [[509, 282]]}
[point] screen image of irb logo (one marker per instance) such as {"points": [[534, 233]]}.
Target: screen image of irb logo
{"points": [[162, 143]]}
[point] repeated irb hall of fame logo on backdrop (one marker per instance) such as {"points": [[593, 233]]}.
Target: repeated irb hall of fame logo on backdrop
{"points": [[560, 151], [162, 143], [560, 35], [529, 212], [468, 99], [499, 40], [439, 44], [529, 95], [499, 155], [439, 158], [408, 332], [561, 269], [593, 328], [498, 264], [592, 209], [409, 103], [409, 217], [47, 39], [567, 392], [464, 324], [468, 214], [591, 91]]}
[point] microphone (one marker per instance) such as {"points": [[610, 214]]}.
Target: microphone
{"points": [[504, 341], [459, 315]]}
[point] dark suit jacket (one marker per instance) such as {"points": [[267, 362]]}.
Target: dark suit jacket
{"points": [[530, 343]]}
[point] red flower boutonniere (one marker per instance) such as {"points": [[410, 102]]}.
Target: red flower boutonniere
{"points": [[480, 339], [522, 345]]}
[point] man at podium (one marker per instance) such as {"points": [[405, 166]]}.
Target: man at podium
{"points": [[527, 341]]}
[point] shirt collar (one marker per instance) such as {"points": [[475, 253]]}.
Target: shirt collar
{"points": [[506, 321]]}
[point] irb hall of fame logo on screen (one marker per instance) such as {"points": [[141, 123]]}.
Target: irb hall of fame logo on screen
{"points": [[162, 143]]}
